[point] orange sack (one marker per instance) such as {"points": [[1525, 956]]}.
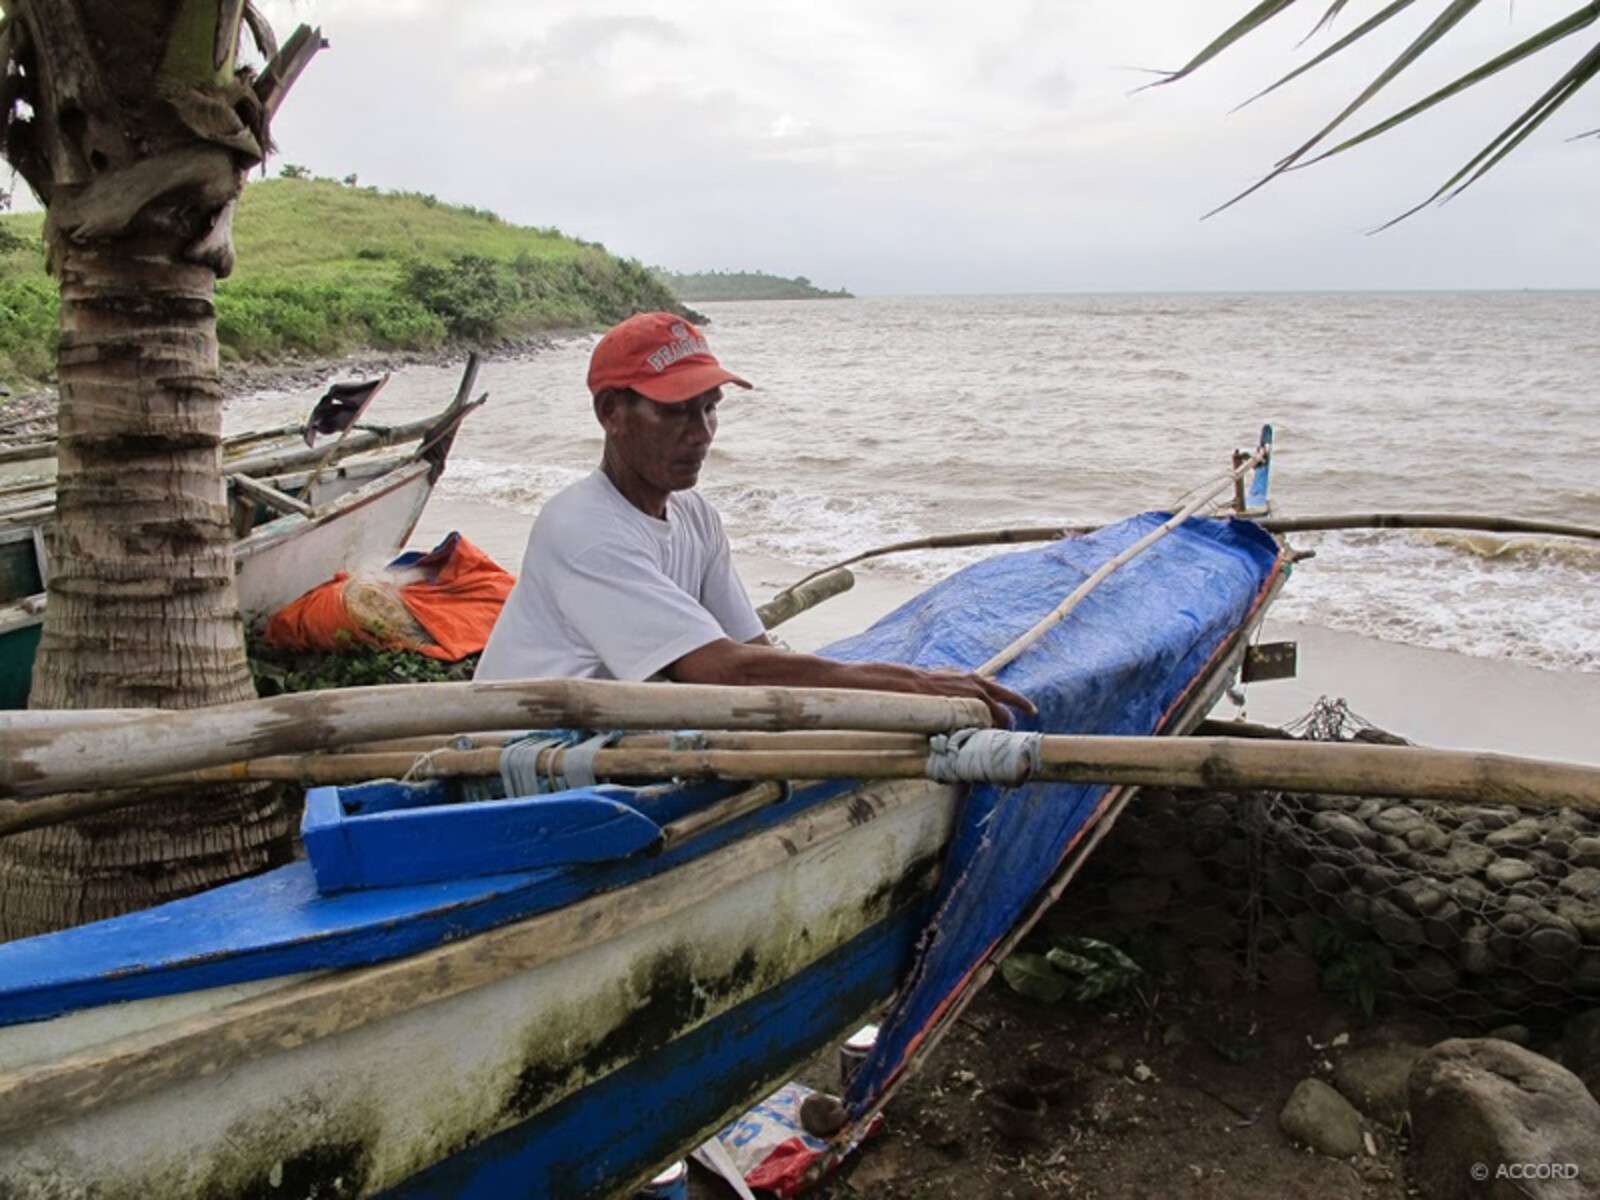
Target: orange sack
{"points": [[451, 597]]}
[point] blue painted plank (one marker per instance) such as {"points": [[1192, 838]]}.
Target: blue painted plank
{"points": [[391, 845], [277, 924]]}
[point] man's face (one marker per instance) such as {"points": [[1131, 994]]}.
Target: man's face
{"points": [[665, 445]]}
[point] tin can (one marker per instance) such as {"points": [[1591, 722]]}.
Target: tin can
{"points": [[671, 1184], [854, 1052]]}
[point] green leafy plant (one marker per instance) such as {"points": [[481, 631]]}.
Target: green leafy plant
{"points": [[1079, 968], [1350, 967]]}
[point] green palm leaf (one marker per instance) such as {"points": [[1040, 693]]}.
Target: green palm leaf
{"points": [[1452, 14]]}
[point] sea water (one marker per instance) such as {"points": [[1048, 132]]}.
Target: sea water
{"points": [[876, 420]]}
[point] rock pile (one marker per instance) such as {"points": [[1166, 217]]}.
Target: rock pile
{"points": [[1491, 912]]}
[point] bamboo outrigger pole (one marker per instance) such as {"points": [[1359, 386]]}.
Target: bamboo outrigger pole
{"points": [[1467, 522], [44, 751], [1448, 776]]}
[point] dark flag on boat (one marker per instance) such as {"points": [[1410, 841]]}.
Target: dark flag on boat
{"points": [[341, 407]]}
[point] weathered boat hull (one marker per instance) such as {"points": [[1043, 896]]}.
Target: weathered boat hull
{"points": [[277, 561], [520, 1054], [283, 559]]}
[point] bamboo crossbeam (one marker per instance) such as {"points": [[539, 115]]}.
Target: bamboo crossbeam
{"points": [[1464, 521], [792, 601], [269, 495], [44, 751]]}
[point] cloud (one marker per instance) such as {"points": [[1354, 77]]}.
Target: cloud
{"points": [[899, 146]]}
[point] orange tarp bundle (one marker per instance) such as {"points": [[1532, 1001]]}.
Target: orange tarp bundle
{"points": [[453, 597]]}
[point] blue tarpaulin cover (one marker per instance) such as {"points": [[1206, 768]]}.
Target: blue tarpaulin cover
{"points": [[1118, 665]]}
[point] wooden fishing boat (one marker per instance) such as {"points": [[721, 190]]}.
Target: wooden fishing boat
{"points": [[474, 988], [300, 512], [463, 994]]}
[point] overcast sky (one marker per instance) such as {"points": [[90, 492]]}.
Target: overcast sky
{"points": [[924, 146]]}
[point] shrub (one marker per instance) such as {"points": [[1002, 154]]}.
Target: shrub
{"points": [[470, 294]]}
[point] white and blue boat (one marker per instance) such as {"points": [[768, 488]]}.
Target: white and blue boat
{"points": [[435, 1002]]}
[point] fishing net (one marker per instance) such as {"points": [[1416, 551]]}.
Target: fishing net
{"points": [[1488, 912]]}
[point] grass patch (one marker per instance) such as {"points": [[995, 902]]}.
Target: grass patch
{"points": [[326, 268]]}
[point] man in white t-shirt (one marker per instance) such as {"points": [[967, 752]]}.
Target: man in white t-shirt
{"points": [[628, 573]]}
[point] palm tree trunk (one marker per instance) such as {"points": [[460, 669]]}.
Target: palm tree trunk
{"points": [[143, 610]]}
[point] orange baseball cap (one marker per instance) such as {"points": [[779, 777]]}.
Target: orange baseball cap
{"points": [[658, 355]]}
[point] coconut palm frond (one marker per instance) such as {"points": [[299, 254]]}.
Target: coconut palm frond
{"points": [[1452, 14], [1425, 41], [1513, 135], [1349, 39], [1247, 24], [1329, 17], [1543, 40]]}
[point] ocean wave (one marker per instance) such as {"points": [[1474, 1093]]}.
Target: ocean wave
{"points": [[521, 488], [1536, 604]]}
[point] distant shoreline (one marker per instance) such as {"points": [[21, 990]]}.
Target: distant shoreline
{"points": [[30, 416]]}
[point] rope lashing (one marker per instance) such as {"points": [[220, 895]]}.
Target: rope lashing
{"points": [[522, 774], [983, 756]]}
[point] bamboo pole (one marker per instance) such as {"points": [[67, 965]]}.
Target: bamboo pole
{"points": [[796, 599], [1349, 769], [1464, 521], [403, 758], [1468, 522], [44, 751]]}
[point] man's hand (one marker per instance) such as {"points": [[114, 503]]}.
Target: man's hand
{"points": [[1001, 700]]}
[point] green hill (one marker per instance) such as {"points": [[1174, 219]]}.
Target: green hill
{"points": [[744, 285], [325, 268]]}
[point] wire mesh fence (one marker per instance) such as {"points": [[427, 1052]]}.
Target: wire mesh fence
{"points": [[1490, 913]]}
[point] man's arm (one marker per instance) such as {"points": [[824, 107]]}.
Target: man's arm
{"points": [[752, 664]]}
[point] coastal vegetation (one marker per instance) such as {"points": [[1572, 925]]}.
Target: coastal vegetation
{"points": [[326, 267], [743, 285]]}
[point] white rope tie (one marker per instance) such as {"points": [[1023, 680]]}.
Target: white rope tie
{"points": [[983, 756]]}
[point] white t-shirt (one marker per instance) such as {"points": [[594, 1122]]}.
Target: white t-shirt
{"points": [[609, 592]]}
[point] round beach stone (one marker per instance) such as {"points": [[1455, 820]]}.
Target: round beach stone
{"points": [[1583, 883], [1342, 829], [1427, 838], [1526, 832], [1319, 1117], [1420, 897], [1490, 818], [1466, 858], [1395, 926], [1585, 852], [1508, 872], [1396, 821], [1374, 1079], [1585, 917]]}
